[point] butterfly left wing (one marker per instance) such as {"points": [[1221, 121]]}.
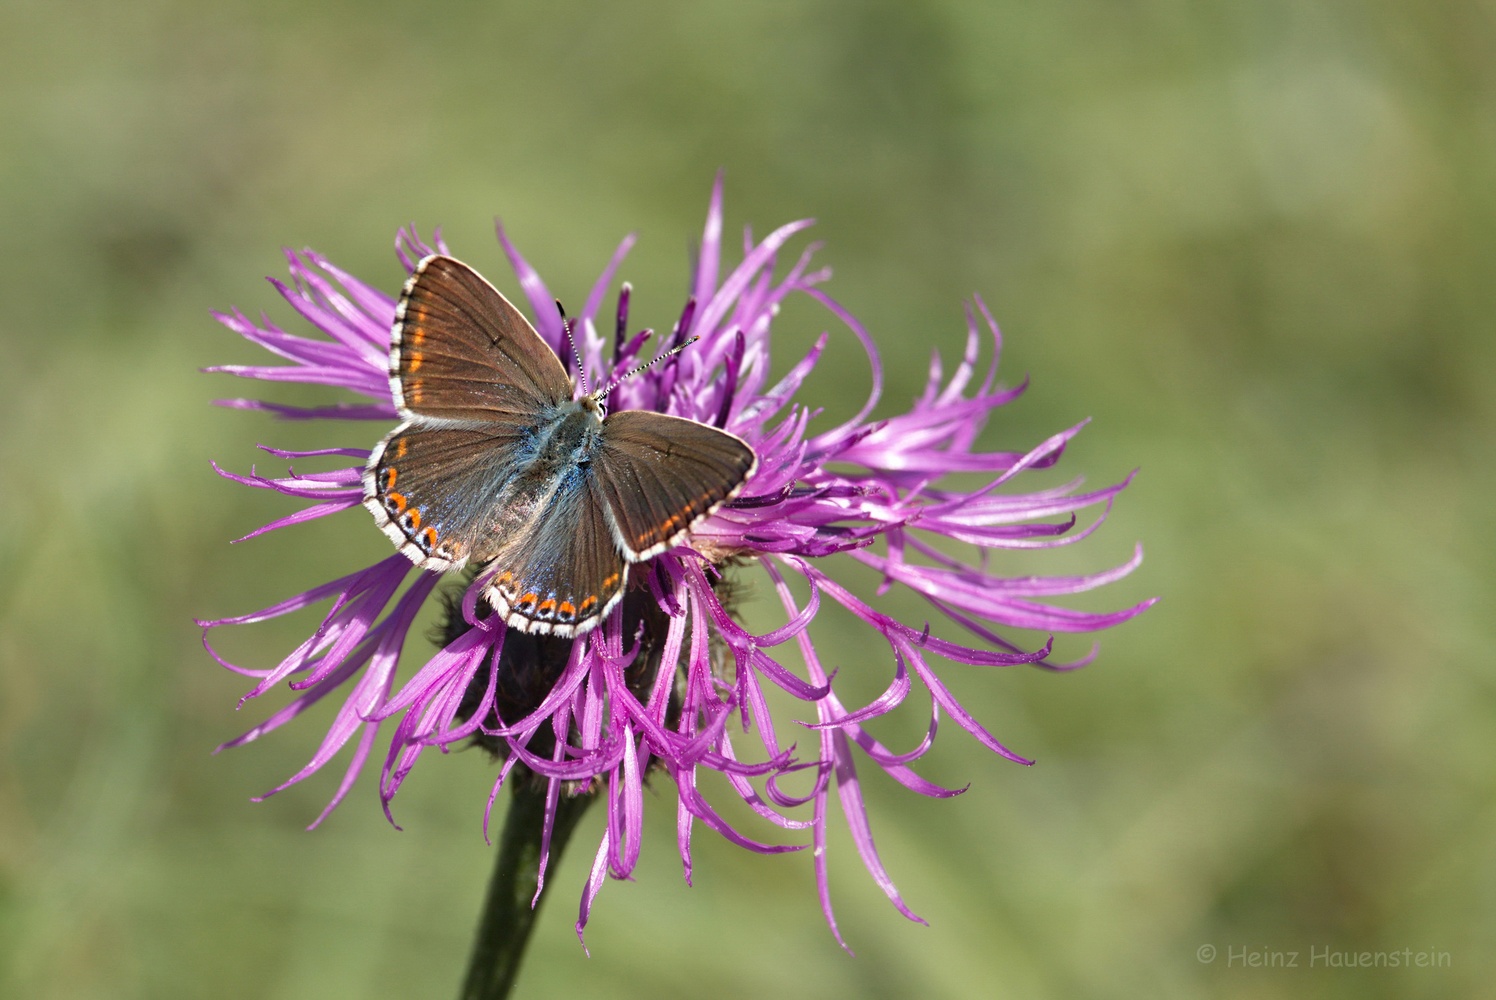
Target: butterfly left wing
{"points": [[560, 572], [475, 383], [459, 350], [660, 475], [438, 491]]}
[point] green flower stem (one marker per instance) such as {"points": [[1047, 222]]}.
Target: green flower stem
{"points": [[508, 917]]}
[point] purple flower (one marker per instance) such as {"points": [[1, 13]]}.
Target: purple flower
{"points": [[671, 681]]}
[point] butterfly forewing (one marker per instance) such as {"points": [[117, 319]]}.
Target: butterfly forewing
{"points": [[461, 351], [661, 474], [562, 572]]}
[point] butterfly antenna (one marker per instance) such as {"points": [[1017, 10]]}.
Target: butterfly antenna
{"points": [[602, 394], [576, 357]]}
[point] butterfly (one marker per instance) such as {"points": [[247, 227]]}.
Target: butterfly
{"points": [[496, 462]]}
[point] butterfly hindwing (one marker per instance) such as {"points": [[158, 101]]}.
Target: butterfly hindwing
{"points": [[461, 351], [434, 490], [660, 475], [563, 572]]}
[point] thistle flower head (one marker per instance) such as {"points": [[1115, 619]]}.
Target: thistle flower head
{"points": [[671, 681]]}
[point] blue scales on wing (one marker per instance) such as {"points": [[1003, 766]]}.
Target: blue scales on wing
{"points": [[560, 572]]}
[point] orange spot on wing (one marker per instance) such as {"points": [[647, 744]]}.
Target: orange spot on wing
{"points": [[567, 608], [389, 477], [413, 361], [588, 603], [612, 579], [430, 534], [547, 606], [398, 499]]}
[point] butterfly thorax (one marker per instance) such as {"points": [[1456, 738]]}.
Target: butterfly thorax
{"points": [[570, 437]]}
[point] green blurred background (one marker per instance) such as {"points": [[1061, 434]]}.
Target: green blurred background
{"points": [[1248, 239]]}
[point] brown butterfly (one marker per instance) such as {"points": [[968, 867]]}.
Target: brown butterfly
{"points": [[495, 461]]}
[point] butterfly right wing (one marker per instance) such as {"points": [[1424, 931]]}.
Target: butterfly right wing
{"points": [[562, 573], [661, 475], [461, 351]]}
